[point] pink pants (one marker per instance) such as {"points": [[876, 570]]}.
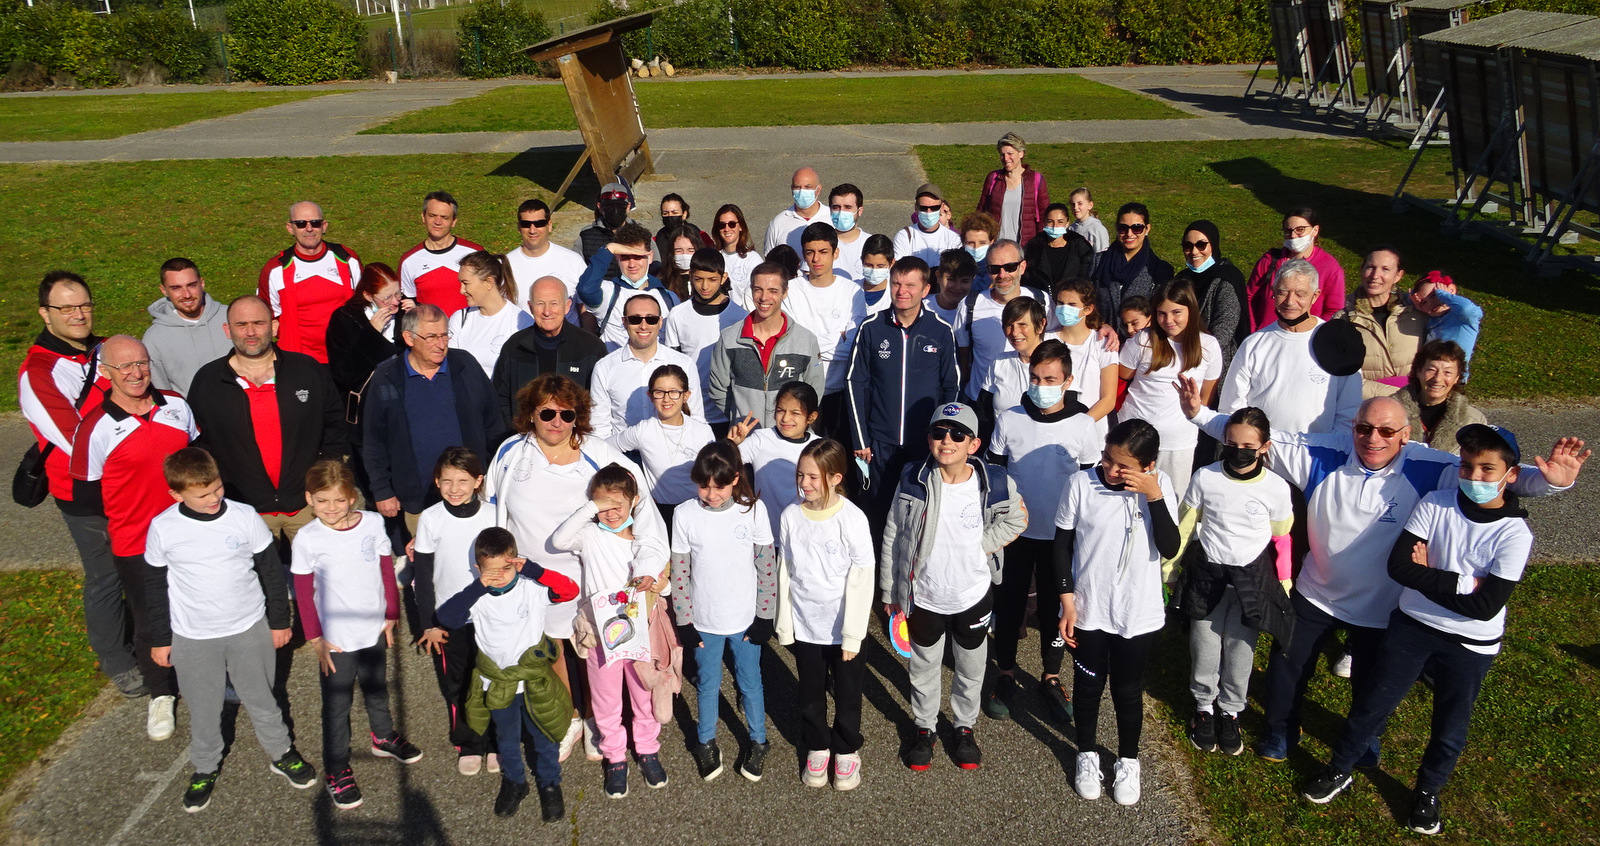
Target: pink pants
{"points": [[605, 697]]}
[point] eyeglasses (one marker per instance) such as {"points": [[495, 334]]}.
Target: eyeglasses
{"points": [[929, 208], [76, 308], [1195, 246], [956, 436], [727, 224], [314, 224], [1009, 267], [441, 336], [1135, 228], [636, 319], [567, 415], [659, 393], [1296, 231], [536, 224], [130, 366], [1364, 429]]}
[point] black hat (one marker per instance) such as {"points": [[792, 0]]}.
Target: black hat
{"points": [[1337, 347]]}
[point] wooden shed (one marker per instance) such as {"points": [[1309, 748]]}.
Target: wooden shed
{"points": [[1387, 54], [1558, 92], [1425, 17], [1310, 45]]}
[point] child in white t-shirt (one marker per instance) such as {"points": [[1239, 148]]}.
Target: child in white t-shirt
{"points": [[724, 596], [344, 585], [668, 442], [218, 612], [1094, 368], [1242, 514], [773, 452], [825, 569], [1173, 347], [694, 325]]}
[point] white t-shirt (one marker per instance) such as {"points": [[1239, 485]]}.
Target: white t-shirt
{"points": [[695, 335], [508, 625], [1089, 361], [1275, 372], [1152, 398], [483, 335], [1470, 550], [610, 560], [721, 546], [955, 576], [912, 241], [557, 261], [1008, 380], [619, 388], [821, 554], [849, 259], [667, 454], [738, 269], [774, 459], [450, 539], [955, 317], [1237, 514], [988, 336], [212, 587], [1115, 564], [1039, 455], [349, 578], [834, 314]]}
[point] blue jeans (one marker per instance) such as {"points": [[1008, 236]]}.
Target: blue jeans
{"points": [[511, 724], [746, 672], [1457, 677], [1292, 664]]}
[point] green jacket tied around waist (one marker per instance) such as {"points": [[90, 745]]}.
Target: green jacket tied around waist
{"points": [[544, 696]]}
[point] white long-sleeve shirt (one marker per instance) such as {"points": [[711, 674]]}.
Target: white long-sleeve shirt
{"points": [[1275, 372], [619, 388]]}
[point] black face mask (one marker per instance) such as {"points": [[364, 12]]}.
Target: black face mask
{"points": [[671, 220], [1296, 321], [1239, 459], [613, 216]]}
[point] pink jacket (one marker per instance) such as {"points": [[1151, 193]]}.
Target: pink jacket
{"points": [[1035, 199]]}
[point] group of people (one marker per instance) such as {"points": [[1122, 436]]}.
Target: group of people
{"points": [[588, 464]]}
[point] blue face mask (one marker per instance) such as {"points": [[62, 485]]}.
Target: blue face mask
{"points": [[928, 220], [1055, 231], [1205, 265], [615, 530], [875, 275], [1069, 315], [1481, 492], [804, 198], [1046, 396], [844, 221], [978, 253]]}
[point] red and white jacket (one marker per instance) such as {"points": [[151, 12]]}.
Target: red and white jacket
{"points": [[117, 459], [50, 389], [304, 291], [430, 276]]}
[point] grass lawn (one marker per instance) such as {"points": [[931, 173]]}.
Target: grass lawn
{"points": [[782, 102], [1244, 187], [113, 115], [47, 671], [1531, 763]]}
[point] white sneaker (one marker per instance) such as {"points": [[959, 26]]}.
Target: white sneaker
{"points": [[491, 762], [162, 718], [847, 771], [1125, 781], [469, 765], [815, 773], [1341, 667], [1087, 781], [591, 740], [574, 732]]}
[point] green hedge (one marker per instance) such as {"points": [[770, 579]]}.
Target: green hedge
{"points": [[294, 42], [491, 36], [95, 50]]}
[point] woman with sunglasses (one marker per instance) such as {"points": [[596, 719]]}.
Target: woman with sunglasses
{"points": [[1218, 285], [1129, 268], [1302, 233], [732, 237]]}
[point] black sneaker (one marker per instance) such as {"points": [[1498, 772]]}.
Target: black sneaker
{"points": [[616, 779], [511, 795], [1056, 700], [1322, 787], [1424, 818], [754, 760], [1203, 731], [920, 756], [655, 775], [198, 796], [1229, 741], [966, 753], [294, 768], [130, 683], [342, 787], [997, 705], [551, 806], [707, 759], [396, 747]]}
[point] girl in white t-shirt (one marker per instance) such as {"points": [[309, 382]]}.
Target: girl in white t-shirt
{"points": [[1114, 525], [825, 580], [1175, 346], [1231, 583], [492, 314], [1094, 368], [774, 452], [668, 442], [724, 596], [344, 585]]}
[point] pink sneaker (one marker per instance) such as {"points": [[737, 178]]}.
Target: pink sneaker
{"points": [[846, 771], [815, 773]]}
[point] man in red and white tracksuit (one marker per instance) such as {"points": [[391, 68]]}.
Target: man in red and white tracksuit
{"points": [[428, 271], [307, 282], [117, 458]]}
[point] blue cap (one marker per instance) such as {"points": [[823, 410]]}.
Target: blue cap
{"points": [[1506, 436]]}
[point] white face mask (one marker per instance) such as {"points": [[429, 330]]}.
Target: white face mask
{"points": [[804, 198], [1055, 231], [844, 221], [875, 275], [928, 220], [1205, 265], [682, 260], [978, 253], [1297, 245], [1068, 315], [1046, 396]]}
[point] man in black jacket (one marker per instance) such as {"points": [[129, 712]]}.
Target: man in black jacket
{"points": [[551, 345], [266, 415]]}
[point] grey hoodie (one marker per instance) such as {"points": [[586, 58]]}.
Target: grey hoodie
{"points": [[178, 347]]}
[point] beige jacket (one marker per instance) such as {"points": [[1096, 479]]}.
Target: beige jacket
{"points": [[1390, 346]]}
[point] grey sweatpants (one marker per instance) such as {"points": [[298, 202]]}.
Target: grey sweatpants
{"points": [[1222, 650], [204, 668], [970, 632]]}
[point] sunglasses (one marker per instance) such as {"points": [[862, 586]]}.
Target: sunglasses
{"points": [[1367, 429], [636, 319], [929, 208], [1195, 245], [314, 224], [956, 436], [1135, 228], [549, 414], [727, 224], [1009, 267], [536, 224]]}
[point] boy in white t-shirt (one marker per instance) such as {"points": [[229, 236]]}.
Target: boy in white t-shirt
{"points": [[832, 307], [218, 611]]}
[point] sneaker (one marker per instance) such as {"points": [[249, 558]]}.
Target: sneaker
{"points": [[491, 762], [847, 771], [707, 759], [1229, 741], [1056, 700], [1322, 787], [1274, 747], [754, 760], [920, 756], [511, 795], [616, 779], [815, 773], [551, 806], [1341, 667], [574, 734], [1087, 780], [130, 683], [198, 796], [161, 719], [396, 747], [1125, 781], [1424, 816], [591, 740], [655, 775], [966, 752], [294, 768], [997, 705], [342, 787], [469, 765], [1203, 731]]}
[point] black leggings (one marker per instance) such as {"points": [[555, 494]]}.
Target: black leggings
{"points": [[1097, 656], [814, 663], [1030, 562], [369, 668]]}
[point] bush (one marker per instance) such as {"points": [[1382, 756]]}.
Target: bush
{"points": [[799, 34], [294, 42], [166, 37], [935, 34], [1078, 33], [62, 39], [490, 38], [695, 34], [1003, 34]]}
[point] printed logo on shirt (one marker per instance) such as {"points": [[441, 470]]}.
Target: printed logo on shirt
{"points": [[1388, 512], [302, 395], [930, 348], [1317, 375], [234, 542], [572, 369], [369, 548], [741, 532], [970, 516], [883, 350], [1252, 508], [831, 547], [169, 413], [838, 315]]}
